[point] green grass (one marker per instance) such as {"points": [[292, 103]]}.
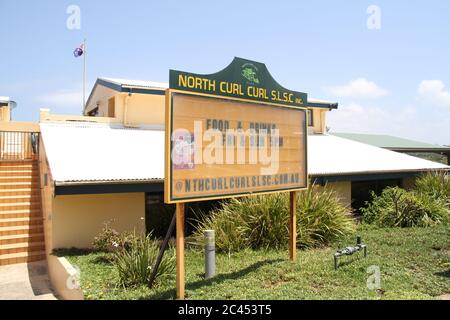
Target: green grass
{"points": [[414, 264]]}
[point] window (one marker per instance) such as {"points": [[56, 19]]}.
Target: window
{"points": [[361, 190], [310, 118]]}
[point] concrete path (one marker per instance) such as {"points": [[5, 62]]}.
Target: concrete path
{"points": [[25, 281]]}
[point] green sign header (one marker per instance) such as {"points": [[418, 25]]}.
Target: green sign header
{"points": [[243, 79]]}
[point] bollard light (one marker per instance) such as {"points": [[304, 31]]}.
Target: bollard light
{"points": [[210, 254]]}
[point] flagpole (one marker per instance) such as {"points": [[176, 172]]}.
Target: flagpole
{"points": [[84, 74]]}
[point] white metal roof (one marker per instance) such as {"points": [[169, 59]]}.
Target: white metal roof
{"points": [[331, 155], [164, 85], [4, 99], [88, 152], [136, 83], [99, 152], [313, 100]]}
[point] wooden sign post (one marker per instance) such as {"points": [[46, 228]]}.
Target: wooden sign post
{"points": [[233, 133], [293, 225], [180, 249]]}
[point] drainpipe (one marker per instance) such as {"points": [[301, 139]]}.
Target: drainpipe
{"points": [[125, 109]]}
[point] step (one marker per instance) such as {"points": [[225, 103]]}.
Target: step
{"points": [[12, 166], [20, 206], [26, 221], [21, 257], [22, 230], [18, 238], [24, 164], [7, 178], [23, 213], [17, 172], [19, 185], [14, 198], [20, 191], [18, 163], [21, 247]]}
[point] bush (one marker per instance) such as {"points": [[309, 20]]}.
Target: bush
{"points": [[134, 262], [262, 222], [321, 218], [108, 239], [436, 185], [396, 207]]}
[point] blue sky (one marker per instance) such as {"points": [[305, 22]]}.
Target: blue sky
{"points": [[392, 80]]}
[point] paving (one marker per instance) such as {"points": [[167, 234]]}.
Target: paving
{"points": [[25, 281]]}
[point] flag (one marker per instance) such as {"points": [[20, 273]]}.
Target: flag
{"points": [[78, 52]]}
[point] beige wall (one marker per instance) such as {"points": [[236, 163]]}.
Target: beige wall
{"points": [[5, 114], [343, 190], [77, 219], [135, 109], [100, 98], [140, 109], [47, 192], [148, 109], [64, 278], [74, 220], [319, 121]]}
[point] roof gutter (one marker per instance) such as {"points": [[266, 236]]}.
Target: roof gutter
{"points": [[105, 182], [380, 172], [108, 187], [322, 179]]}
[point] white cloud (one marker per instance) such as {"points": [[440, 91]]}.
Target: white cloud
{"points": [[359, 88], [64, 100], [433, 92], [354, 117]]}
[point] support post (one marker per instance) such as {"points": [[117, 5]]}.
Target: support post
{"points": [[293, 225], [161, 251], [180, 249]]}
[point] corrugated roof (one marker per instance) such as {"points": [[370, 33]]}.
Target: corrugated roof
{"points": [[87, 152], [98, 152], [141, 84], [390, 142], [314, 101], [332, 155], [136, 83], [4, 99]]}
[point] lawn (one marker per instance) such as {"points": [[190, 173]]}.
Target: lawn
{"points": [[414, 263]]}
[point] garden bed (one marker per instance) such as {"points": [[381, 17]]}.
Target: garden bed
{"points": [[414, 264]]}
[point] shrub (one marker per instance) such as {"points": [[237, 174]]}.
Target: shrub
{"points": [[227, 224], [396, 207], [263, 221], [108, 239], [134, 262], [321, 217], [436, 185]]}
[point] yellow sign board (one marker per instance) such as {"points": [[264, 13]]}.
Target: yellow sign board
{"points": [[218, 148]]}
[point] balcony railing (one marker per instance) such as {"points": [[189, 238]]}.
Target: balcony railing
{"points": [[15, 145]]}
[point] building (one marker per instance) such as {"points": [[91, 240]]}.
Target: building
{"points": [[398, 144], [108, 165]]}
